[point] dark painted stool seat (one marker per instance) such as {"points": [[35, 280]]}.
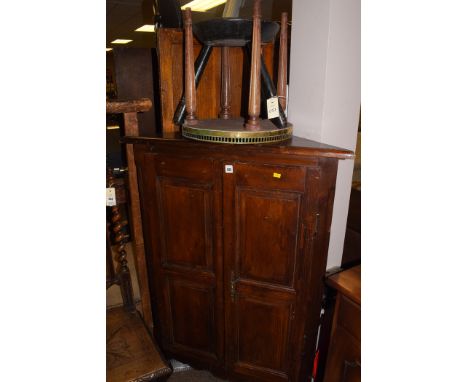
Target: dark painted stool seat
{"points": [[232, 31]]}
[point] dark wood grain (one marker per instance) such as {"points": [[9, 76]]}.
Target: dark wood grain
{"points": [[236, 260], [290, 149], [130, 353], [264, 246], [181, 195]]}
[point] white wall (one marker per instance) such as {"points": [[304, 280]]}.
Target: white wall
{"points": [[324, 89]]}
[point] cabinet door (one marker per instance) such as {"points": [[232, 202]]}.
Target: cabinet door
{"points": [[343, 364], [344, 358], [266, 208], [182, 205]]}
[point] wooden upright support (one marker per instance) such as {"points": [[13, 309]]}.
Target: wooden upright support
{"points": [[253, 123], [283, 61], [130, 110], [190, 90], [225, 85], [121, 238]]}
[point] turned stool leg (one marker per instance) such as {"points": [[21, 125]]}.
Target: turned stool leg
{"points": [[253, 123], [200, 65], [225, 85], [190, 91], [283, 61]]}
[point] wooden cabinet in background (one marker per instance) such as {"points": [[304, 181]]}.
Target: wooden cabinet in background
{"points": [[344, 354], [236, 241]]}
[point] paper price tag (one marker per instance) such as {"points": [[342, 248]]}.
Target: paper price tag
{"points": [[110, 197], [272, 107]]}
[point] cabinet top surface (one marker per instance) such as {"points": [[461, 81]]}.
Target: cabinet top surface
{"points": [[295, 145], [348, 283]]}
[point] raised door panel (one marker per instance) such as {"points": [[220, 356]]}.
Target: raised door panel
{"points": [[192, 314], [267, 223], [263, 326], [186, 224]]}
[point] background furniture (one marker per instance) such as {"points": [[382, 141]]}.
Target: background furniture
{"points": [[131, 354], [352, 243], [134, 80], [130, 110], [236, 255], [170, 51], [344, 353]]}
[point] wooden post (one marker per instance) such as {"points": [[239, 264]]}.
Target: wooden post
{"points": [[130, 110], [225, 85], [253, 122], [283, 61], [123, 273], [131, 129], [190, 91]]}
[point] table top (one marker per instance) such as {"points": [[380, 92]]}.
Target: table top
{"points": [[348, 283], [295, 145]]}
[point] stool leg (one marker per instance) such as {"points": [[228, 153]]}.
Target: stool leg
{"points": [[190, 89], [225, 112], [283, 61], [253, 123], [200, 65], [268, 91]]}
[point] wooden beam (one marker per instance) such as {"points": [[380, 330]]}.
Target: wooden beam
{"points": [[132, 106]]}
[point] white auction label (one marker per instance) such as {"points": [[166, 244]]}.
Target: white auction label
{"points": [[110, 197], [272, 107]]}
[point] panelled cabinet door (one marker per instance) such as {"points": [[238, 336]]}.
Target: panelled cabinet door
{"points": [[266, 208], [343, 364], [344, 358], [182, 206]]}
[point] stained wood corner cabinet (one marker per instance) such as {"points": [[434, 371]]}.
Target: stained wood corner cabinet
{"points": [[236, 242]]}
